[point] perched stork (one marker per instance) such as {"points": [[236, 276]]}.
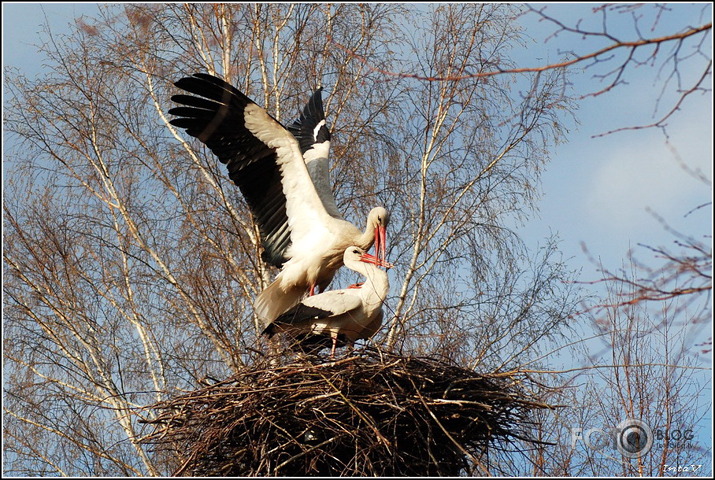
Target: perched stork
{"points": [[302, 231], [352, 313]]}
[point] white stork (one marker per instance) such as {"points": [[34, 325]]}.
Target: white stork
{"points": [[302, 231], [353, 313]]}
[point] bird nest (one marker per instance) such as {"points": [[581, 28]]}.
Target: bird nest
{"points": [[371, 414]]}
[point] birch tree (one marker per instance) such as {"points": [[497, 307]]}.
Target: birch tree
{"points": [[131, 260]]}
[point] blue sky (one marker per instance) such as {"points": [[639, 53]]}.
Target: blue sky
{"points": [[598, 189], [21, 27]]}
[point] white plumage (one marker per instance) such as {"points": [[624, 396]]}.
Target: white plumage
{"points": [[353, 313], [283, 175]]}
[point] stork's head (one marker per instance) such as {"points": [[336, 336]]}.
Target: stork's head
{"points": [[356, 254]]}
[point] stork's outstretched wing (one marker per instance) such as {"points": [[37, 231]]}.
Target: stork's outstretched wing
{"points": [[313, 135], [263, 158]]}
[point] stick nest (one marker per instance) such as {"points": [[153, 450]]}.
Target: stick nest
{"points": [[372, 414]]}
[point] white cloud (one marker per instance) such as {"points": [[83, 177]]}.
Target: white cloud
{"points": [[639, 169]]}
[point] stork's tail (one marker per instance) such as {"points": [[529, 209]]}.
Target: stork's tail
{"points": [[275, 300]]}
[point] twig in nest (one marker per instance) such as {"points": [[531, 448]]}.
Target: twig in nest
{"points": [[377, 414]]}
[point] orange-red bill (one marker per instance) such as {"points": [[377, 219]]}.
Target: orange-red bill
{"points": [[381, 242], [368, 258]]}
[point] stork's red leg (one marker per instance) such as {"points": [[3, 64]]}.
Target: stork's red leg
{"points": [[335, 343]]}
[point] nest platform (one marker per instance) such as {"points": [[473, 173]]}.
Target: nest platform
{"points": [[369, 414]]}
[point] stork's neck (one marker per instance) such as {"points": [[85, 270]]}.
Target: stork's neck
{"points": [[376, 285], [319, 171], [367, 238]]}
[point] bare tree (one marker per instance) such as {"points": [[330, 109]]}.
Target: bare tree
{"points": [[131, 260], [643, 353], [638, 364]]}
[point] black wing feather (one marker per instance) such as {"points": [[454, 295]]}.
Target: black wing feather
{"points": [[297, 315], [216, 117], [304, 128]]}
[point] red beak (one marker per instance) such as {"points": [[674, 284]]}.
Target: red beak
{"points": [[381, 243], [367, 258]]}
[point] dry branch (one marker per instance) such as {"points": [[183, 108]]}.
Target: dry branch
{"points": [[365, 415]]}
